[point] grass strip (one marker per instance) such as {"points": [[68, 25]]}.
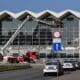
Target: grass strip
{"points": [[13, 67]]}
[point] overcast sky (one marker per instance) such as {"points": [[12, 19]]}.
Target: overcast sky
{"points": [[39, 5]]}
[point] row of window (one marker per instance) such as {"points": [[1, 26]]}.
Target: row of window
{"points": [[60, 55], [42, 36], [33, 39]]}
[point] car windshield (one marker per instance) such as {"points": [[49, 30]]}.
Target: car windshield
{"points": [[51, 63], [68, 61], [15, 54]]}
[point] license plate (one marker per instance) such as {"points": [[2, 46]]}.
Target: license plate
{"points": [[50, 68], [67, 64]]}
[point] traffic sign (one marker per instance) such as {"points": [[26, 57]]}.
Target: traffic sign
{"points": [[57, 34], [57, 40], [56, 47]]}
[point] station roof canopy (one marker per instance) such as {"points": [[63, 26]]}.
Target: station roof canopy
{"points": [[47, 12], [65, 12], [40, 14], [7, 13], [26, 12]]}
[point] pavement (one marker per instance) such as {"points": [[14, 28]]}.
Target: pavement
{"points": [[36, 73]]}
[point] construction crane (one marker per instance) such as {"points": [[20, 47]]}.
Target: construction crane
{"points": [[4, 48]]}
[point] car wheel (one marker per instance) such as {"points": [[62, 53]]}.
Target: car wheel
{"points": [[45, 74], [62, 73], [74, 69]]}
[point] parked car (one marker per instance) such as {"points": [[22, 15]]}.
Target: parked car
{"points": [[15, 58], [77, 63], [1, 57], [52, 67], [31, 56], [69, 65]]}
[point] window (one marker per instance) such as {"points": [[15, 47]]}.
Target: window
{"points": [[76, 55], [70, 19], [49, 19], [69, 43], [8, 19], [69, 55], [63, 55], [49, 55], [42, 55], [58, 25], [54, 55]]}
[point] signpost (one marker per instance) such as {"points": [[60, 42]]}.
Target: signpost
{"points": [[56, 45]]}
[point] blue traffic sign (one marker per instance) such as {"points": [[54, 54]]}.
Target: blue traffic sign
{"points": [[56, 47]]}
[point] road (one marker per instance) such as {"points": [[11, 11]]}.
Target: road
{"points": [[35, 73]]}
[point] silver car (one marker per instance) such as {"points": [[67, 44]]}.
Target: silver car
{"points": [[52, 67], [69, 65]]}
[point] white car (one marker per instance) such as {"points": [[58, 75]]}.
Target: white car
{"points": [[53, 67], [69, 65], [77, 64]]}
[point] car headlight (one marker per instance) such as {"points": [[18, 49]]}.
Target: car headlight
{"points": [[46, 67]]}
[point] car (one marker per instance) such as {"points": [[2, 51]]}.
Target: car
{"points": [[32, 55], [69, 65], [1, 57], [77, 63], [15, 58], [52, 67]]}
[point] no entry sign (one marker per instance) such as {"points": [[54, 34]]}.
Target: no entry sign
{"points": [[57, 34]]}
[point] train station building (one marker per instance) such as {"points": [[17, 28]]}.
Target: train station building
{"points": [[39, 37]]}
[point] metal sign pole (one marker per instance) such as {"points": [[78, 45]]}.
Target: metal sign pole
{"points": [[57, 47], [58, 66]]}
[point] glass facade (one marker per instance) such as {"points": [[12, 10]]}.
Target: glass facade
{"points": [[34, 33], [70, 31]]}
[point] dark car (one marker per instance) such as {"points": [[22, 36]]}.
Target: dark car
{"points": [[77, 63], [1, 57]]}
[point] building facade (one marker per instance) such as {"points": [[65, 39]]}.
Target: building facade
{"points": [[36, 34]]}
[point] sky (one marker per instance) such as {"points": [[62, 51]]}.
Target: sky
{"points": [[39, 5]]}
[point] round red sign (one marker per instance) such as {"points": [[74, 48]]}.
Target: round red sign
{"points": [[57, 34]]}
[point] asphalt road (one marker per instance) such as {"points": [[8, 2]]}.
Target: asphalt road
{"points": [[35, 73]]}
